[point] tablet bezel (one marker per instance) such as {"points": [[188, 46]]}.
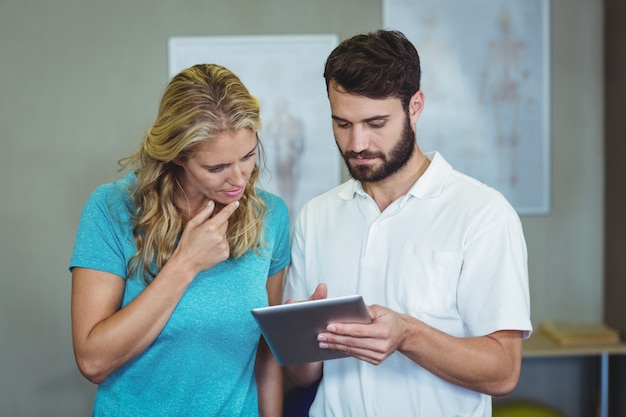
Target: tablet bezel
{"points": [[291, 330]]}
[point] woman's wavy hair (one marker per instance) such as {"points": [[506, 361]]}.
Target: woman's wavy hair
{"points": [[198, 104], [380, 64]]}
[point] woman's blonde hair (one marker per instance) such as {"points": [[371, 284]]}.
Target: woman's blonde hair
{"points": [[199, 103]]}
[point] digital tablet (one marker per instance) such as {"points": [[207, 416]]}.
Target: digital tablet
{"points": [[291, 330]]}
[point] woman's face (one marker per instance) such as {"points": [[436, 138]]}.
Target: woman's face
{"points": [[220, 168]]}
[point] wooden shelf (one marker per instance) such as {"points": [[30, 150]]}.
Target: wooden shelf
{"points": [[539, 345]]}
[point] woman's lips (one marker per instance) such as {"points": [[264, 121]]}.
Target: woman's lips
{"points": [[234, 193]]}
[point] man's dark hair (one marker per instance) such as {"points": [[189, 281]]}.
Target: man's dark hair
{"points": [[380, 64]]}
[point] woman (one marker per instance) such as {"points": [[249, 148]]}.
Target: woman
{"points": [[169, 261]]}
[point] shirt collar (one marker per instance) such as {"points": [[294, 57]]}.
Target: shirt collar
{"points": [[429, 185], [350, 189], [433, 180]]}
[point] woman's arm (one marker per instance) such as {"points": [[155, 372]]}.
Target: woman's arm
{"points": [[104, 336], [269, 374]]}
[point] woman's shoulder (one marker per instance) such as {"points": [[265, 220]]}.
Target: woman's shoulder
{"points": [[276, 206], [113, 194], [120, 186], [270, 199]]}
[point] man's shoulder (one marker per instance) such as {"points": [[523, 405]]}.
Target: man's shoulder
{"points": [[477, 192], [466, 193], [328, 202], [342, 192]]}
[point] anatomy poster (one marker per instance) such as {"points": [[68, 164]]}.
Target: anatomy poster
{"points": [[485, 78], [285, 72]]}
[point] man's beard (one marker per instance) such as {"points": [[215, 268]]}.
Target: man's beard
{"points": [[397, 158]]}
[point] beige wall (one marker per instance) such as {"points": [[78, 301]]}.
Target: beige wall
{"points": [[79, 83]]}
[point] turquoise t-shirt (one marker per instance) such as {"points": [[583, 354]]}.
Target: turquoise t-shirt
{"points": [[202, 362]]}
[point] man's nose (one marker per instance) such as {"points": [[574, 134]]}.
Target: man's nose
{"points": [[359, 140]]}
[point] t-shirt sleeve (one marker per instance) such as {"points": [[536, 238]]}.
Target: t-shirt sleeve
{"points": [[278, 216], [495, 273], [295, 285], [98, 244]]}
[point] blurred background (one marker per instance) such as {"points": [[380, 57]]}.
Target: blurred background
{"points": [[80, 82]]}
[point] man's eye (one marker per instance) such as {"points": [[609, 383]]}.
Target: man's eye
{"points": [[376, 125], [343, 125]]}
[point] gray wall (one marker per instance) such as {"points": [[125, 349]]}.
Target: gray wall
{"points": [[80, 81]]}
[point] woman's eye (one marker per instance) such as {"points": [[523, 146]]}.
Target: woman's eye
{"points": [[215, 170], [250, 155]]}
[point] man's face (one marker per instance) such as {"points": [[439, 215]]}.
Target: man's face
{"points": [[374, 136]]}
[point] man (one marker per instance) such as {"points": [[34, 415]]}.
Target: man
{"points": [[439, 257]]}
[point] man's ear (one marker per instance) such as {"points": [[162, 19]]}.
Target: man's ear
{"points": [[416, 105]]}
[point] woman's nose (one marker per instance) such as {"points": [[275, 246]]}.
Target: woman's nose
{"points": [[237, 176]]}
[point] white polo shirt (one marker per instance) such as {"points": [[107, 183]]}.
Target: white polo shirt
{"points": [[450, 252]]}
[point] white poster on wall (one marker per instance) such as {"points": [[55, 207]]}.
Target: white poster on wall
{"points": [[486, 85], [285, 72]]}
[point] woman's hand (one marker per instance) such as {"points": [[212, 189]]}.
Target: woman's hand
{"points": [[203, 243]]}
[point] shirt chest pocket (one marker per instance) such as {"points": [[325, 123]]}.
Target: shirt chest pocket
{"points": [[427, 278]]}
